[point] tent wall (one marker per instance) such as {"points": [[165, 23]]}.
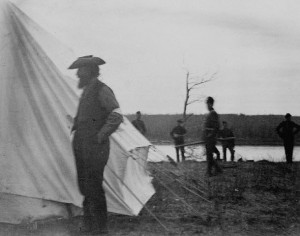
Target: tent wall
{"points": [[37, 168]]}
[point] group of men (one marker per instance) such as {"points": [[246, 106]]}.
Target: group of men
{"points": [[225, 135], [286, 130], [99, 115]]}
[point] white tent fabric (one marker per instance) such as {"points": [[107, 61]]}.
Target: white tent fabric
{"points": [[37, 168]]}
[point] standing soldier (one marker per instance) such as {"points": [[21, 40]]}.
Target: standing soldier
{"points": [[178, 134], [98, 116], [227, 139], [211, 128], [287, 130], [139, 124]]}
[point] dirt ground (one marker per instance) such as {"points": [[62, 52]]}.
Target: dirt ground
{"points": [[248, 198]]}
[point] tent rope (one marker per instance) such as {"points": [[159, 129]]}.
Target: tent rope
{"points": [[155, 149], [186, 188], [188, 184], [133, 194], [176, 195], [111, 188], [179, 198], [182, 184]]}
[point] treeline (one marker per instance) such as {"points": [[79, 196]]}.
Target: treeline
{"points": [[248, 129]]}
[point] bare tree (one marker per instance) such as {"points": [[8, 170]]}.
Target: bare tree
{"points": [[193, 83]]}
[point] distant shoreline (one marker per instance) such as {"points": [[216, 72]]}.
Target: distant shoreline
{"points": [[256, 130]]}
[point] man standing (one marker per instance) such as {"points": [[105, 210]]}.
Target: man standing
{"points": [[178, 134], [211, 128], [287, 130], [98, 116], [227, 139], [139, 124]]}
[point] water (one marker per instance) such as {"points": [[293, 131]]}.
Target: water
{"points": [[256, 153]]}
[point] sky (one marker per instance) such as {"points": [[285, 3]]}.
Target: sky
{"points": [[252, 47]]}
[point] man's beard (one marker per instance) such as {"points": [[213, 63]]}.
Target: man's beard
{"points": [[82, 83]]}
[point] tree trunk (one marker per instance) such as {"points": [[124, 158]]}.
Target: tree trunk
{"points": [[187, 95]]}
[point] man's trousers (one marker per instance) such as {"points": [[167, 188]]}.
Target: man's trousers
{"points": [[231, 149], [181, 149], [288, 148], [210, 148], [91, 158]]}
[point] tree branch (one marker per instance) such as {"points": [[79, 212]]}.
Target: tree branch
{"points": [[193, 82], [199, 83], [193, 101], [189, 116]]}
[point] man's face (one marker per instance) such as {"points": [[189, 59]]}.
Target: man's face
{"points": [[225, 125], [138, 116], [84, 75], [289, 118], [209, 105]]}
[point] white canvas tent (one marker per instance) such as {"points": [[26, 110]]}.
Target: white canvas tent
{"points": [[37, 169]]}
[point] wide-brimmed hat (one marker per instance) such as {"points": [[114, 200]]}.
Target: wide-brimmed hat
{"points": [[86, 61]]}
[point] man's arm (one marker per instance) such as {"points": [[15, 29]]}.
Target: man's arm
{"points": [[212, 125], [144, 127], [115, 117], [72, 121], [220, 134], [216, 123], [134, 123], [172, 133], [184, 131], [297, 128], [278, 129]]}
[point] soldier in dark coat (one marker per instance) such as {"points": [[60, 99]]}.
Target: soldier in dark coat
{"points": [[98, 116], [227, 139], [139, 124], [211, 129], [178, 134], [287, 130]]}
